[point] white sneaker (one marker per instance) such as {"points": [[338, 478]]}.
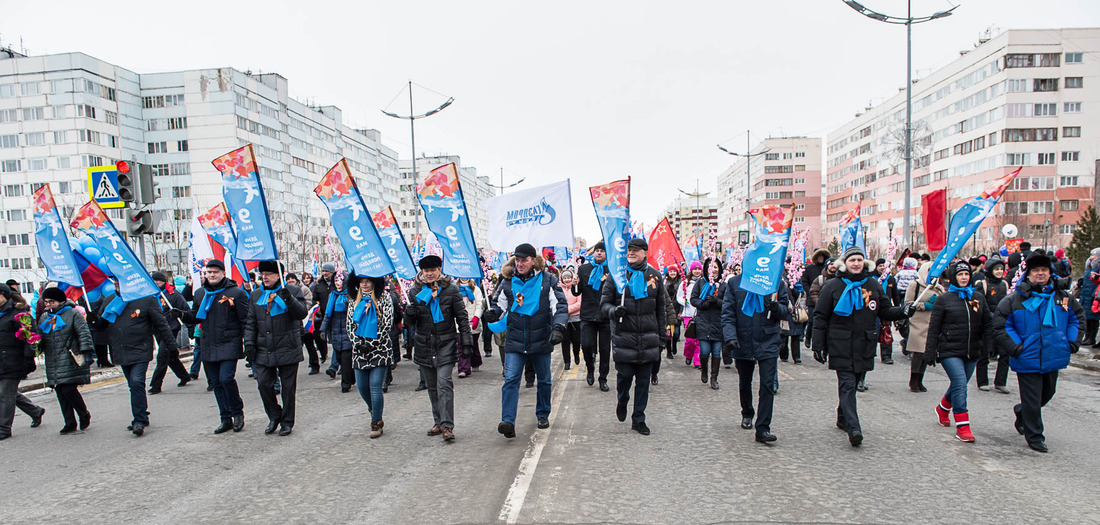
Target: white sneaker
{"points": [[462, 374]]}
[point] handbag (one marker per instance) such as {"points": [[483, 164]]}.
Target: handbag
{"points": [[78, 358], [884, 334], [800, 314], [689, 332]]}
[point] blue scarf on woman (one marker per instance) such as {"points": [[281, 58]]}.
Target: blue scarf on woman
{"points": [[597, 274], [207, 301], [1046, 301], [366, 317], [278, 306], [467, 292], [851, 299], [337, 302], [117, 305], [966, 293], [425, 297], [706, 290], [52, 322]]}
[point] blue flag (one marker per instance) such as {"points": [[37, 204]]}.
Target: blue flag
{"points": [[53, 241], [244, 197], [364, 250], [134, 281], [966, 221], [396, 248], [217, 223], [440, 194], [762, 264], [612, 204]]}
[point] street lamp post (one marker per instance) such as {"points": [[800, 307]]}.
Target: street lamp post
{"points": [[696, 211], [908, 22], [502, 187], [412, 117], [748, 155]]}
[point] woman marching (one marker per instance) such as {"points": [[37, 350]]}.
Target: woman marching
{"points": [[475, 307], [67, 344], [673, 280], [924, 296], [369, 322], [706, 297], [960, 332], [687, 313], [334, 331], [573, 327]]}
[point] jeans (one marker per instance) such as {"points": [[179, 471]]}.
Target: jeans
{"points": [[509, 393], [369, 383], [709, 349], [71, 402], [1036, 390], [769, 383], [639, 374], [222, 376], [958, 371], [135, 378], [196, 362], [11, 398], [441, 392], [597, 334], [266, 379]]}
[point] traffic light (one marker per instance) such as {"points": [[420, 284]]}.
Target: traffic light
{"points": [[127, 181], [139, 222], [148, 187]]}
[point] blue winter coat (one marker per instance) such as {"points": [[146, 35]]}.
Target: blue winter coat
{"points": [[531, 334], [758, 335], [1088, 289], [1032, 347]]}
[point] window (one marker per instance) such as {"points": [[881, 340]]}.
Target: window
{"points": [[22, 263], [788, 156], [1018, 85], [60, 112], [1046, 159], [1071, 156], [179, 168], [1049, 59], [19, 239], [181, 215], [1017, 159], [13, 190], [1067, 180], [36, 164], [87, 135], [1029, 134], [159, 170], [34, 139], [9, 141], [11, 166], [61, 137], [1067, 205], [177, 123], [9, 115], [158, 147], [30, 88], [85, 110], [34, 113], [1066, 229], [181, 145], [1067, 131], [112, 141], [181, 191], [1071, 107], [62, 162], [7, 90], [110, 117], [771, 156], [1071, 82], [1075, 58], [799, 207], [65, 187], [1045, 84], [17, 215], [1046, 110]]}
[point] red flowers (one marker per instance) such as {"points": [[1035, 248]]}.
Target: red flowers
{"points": [[26, 333]]}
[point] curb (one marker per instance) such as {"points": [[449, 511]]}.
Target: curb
{"points": [[98, 375], [1085, 361]]}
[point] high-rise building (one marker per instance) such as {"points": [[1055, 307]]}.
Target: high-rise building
{"points": [[693, 216], [787, 173], [1021, 98], [60, 114], [475, 188]]}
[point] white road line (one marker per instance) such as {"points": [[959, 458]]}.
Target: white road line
{"points": [[517, 493]]}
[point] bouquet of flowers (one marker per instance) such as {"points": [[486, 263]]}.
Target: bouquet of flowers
{"points": [[26, 331]]}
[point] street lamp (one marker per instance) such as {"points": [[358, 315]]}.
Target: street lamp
{"points": [[697, 210], [411, 117], [748, 165], [908, 22], [502, 187]]}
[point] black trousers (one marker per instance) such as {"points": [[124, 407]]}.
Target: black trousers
{"points": [[639, 374], [1036, 390], [72, 403], [846, 412], [670, 345], [311, 351], [166, 360], [1091, 325], [597, 335], [102, 355], [1000, 377], [571, 345], [265, 382], [768, 383], [487, 342], [347, 372], [790, 347]]}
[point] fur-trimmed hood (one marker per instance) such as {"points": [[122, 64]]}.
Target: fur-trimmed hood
{"points": [[509, 268], [443, 280], [820, 252]]}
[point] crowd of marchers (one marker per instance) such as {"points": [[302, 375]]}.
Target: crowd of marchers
{"points": [[1018, 314]]}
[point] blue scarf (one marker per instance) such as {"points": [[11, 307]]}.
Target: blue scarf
{"points": [[526, 296], [425, 297], [1045, 300], [597, 274], [366, 317], [966, 293], [117, 305], [636, 283], [708, 288], [337, 302], [754, 303], [467, 292], [207, 301], [851, 299], [52, 322], [278, 306]]}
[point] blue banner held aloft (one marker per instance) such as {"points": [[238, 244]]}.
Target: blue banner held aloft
{"points": [[612, 204], [966, 221], [244, 198], [133, 279], [53, 241], [762, 263], [440, 194], [354, 225], [396, 248]]}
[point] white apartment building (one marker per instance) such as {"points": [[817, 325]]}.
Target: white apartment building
{"points": [[787, 172], [1027, 97], [60, 114], [692, 216], [475, 188]]}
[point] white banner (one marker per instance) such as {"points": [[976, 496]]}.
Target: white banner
{"points": [[541, 216], [200, 252]]}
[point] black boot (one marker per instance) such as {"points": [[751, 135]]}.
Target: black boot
{"points": [[714, 368], [916, 383], [703, 370]]}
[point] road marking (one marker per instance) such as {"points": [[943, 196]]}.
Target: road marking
{"points": [[785, 375], [517, 493]]}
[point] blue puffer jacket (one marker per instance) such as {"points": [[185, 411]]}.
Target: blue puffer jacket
{"points": [[531, 334], [758, 335], [1032, 347], [1088, 290]]}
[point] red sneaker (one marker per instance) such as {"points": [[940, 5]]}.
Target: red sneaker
{"points": [[943, 410], [962, 427]]}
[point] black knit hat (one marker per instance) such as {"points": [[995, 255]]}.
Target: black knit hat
{"points": [[54, 293], [5, 290], [215, 263], [269, 267], [599, 246], [1037, 260], [429, 262], [159, 277]]}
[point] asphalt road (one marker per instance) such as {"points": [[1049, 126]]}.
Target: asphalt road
{"points": [[698, 466]]}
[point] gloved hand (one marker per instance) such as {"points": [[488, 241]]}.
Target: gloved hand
{"points": [[324, 335], [821, 355], [1017, 351], [89, 359], [474, 321], [798, 287], [619, 312], [250, 352], [732, 346], [910, 309], [929, 359], [467, 351], [773, 307], [556, 336], [491, 316], [284, 294], [712, 301], [91, 317]]}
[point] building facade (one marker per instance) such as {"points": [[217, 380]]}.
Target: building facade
{"points": [[1022, 98], [691, 216], [782, 171], [60, 114], [475, 188]]}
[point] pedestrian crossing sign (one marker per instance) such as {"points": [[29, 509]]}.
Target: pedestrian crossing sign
{"points": [[103, 186]]}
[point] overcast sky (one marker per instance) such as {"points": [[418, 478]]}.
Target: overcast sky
{"points": [[590, 91]]}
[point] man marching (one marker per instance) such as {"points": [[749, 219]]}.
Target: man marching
{"points": [[172, 304], [536, 313], [273, 342], [595, 327]]}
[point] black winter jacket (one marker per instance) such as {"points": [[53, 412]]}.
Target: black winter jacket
{"points": [[179, 305], [959, 328], [636, 338], [851, 342], [278, 339], [590, 296], [758, 336], [61, 369], [131, 335], [531, 334], [708, 312], [221, 334], [436, 344], [16, 356]]}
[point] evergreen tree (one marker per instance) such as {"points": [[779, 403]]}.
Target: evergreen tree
{"points": [[1085, 238], [834, 247]]}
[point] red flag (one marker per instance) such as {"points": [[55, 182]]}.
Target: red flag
{"points": [[664, 251], [934, 206]]}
